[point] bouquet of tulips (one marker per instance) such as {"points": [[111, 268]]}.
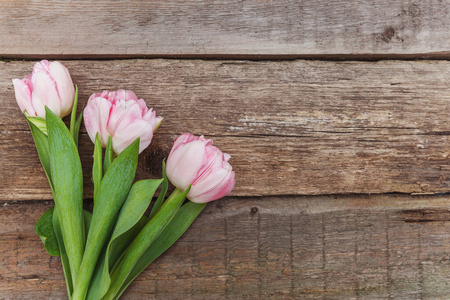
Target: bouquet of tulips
{"points": [[102, 252]]}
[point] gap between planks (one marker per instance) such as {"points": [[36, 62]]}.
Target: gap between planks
{"points": [[444, 55]]}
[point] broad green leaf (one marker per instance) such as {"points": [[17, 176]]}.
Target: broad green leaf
{"points": [[144, 240], [63, 253], [180, 223], [111, 194], [41, 142], [132, 211], [44, 229], [125, 230], [109, 155], [67, 179], [97, 172], [162, 194]]}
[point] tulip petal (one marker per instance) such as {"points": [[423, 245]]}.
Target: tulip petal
{"points": [[138, 129], [41, 66], [64, 86], [44, 94], [214, 158], [185, 162], [123, 95], [23, 97], [123, 113], [183, 139], [218, 184], [96, 116]]}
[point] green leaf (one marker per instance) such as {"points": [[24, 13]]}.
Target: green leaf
{"points": [[44, 229], [143, 241], [75, 122], [63, 253], [97, 172], [77, 128], [180, 223], [87, 219], [41, 142], [67, 179], [112, 193], [73, 116], [162, 194], [109, 155], [39, 122], [64, 259], [131, 214]]}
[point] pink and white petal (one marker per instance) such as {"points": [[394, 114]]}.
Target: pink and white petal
{"points": [[105, 107], [96, 115], [124, 115], [41, 66], [91, 118], [64, 86], [23, 96], [125, 95], [184, 163], [123, 138], [213, 157], [151, 117], [27, 81], [208, 142], [142, 106], [182, 139], [156, 123], [218, 184], [117, 112], [44, 94], [149, 114]]}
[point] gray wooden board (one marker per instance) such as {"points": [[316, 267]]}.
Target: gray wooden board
{"points": [[291, 127], [252, 28], [321, 247]]}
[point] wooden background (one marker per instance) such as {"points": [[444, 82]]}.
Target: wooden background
{"points": [[336, 114]]}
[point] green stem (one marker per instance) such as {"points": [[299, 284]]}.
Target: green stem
{"points": [[143, 240]]}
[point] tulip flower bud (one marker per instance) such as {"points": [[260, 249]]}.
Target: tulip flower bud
{"points": [[195, 161], [121, 116], [49, 85]]}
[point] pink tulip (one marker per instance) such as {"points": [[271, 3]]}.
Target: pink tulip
{"points": [[122, 116], [49, 85], [195, 161]]}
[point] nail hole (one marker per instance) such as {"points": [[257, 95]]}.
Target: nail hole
{"points": [[253, 211]]}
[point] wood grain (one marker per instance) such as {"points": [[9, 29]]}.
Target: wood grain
{"points": [[295, 127], [251, 28], [323, 247]]}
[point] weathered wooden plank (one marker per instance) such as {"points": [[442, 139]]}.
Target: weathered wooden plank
{"points": [[225, 29], [322, 247], [297, 127]]}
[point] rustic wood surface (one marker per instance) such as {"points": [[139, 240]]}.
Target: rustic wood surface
{"points": [[293, 127], [309, 28], [310, 140], [323, 247]]}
